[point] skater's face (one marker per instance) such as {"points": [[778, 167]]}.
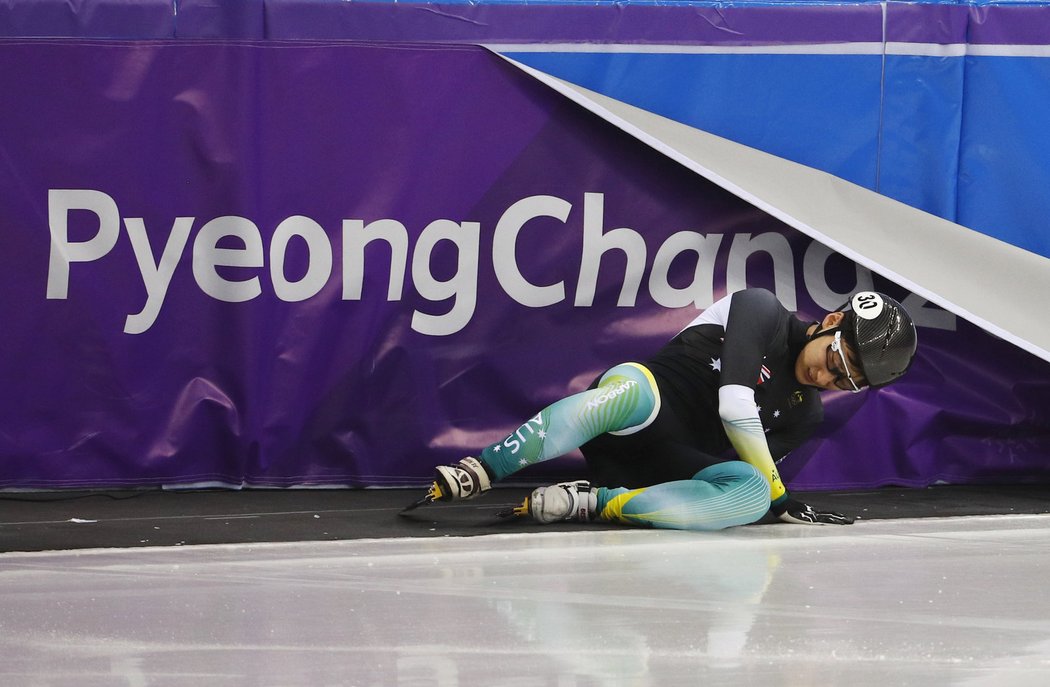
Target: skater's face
{"points": [[827, 362]]}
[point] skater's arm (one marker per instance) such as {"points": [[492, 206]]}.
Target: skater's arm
{"points": [[751, 326], [740, 418], [739, 414]]}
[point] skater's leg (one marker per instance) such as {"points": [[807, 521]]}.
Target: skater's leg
{"points": [[719, 496], [625, 400]]}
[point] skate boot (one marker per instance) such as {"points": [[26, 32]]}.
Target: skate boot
{"points": [[558, 502], [464, 480]]}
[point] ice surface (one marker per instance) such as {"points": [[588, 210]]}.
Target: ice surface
{"points": [[952, 601]]}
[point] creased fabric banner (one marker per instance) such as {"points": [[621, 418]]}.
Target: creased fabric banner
{"points": [[341, 264]]}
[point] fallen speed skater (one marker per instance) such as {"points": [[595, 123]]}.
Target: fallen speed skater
{"points": [[689, 438]]}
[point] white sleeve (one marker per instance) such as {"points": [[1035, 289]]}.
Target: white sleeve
{"points": [[737, 402], [739, 413]]}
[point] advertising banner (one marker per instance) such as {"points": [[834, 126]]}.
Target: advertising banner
{"points": [[278, 264]]}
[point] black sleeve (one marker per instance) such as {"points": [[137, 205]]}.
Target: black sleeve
{"points": [[755, 316]]}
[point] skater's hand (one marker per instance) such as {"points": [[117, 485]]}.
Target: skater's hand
{"points": [[800, 513]]}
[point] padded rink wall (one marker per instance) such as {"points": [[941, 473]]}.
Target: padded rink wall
{"points": [[325, 243]]}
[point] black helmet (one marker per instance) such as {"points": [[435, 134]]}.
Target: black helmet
{"points": [[883, 335]]}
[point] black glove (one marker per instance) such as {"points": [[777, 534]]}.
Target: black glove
{"points": [[790, 510]]}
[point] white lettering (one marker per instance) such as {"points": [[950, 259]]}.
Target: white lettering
{"points": [[925, 314], [515, 444], [156, 275], [700, 292], [814, 274], [778, 248], [355, 237], [207, 256], [608, 395], [229, 253], [461, 287], [60, 202], [596, 242], [504, 250], [319, 264]]}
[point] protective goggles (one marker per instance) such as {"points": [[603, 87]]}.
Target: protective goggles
{"points": [[836, 354]]}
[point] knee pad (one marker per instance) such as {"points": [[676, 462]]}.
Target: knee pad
{"points": [[635, 379]]}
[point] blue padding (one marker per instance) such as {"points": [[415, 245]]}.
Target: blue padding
{"points": [[921, 120], [1004, 157], [819, 110]]}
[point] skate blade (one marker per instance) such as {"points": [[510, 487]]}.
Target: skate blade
{"points": [[432, 495], [520, 511]]}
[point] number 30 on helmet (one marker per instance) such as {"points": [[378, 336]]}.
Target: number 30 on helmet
{"points": [[882, 333]]}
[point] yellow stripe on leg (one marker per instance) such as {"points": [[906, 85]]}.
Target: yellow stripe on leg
{"points": [[613, 510]]}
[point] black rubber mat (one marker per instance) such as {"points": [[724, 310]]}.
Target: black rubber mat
{"points": [[42, 521]]}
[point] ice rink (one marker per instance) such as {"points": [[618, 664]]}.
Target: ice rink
{"points": [[930, 601]]}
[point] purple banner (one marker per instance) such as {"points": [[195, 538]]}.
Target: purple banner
{"points": [[685, 23], [442, 22], [612, 23], [129, 19], [282, 264]]}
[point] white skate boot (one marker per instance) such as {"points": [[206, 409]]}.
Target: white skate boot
{"points": [[563, 501], [464, 480]]}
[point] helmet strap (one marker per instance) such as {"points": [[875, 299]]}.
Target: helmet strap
{"points": [[822, 332]]}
